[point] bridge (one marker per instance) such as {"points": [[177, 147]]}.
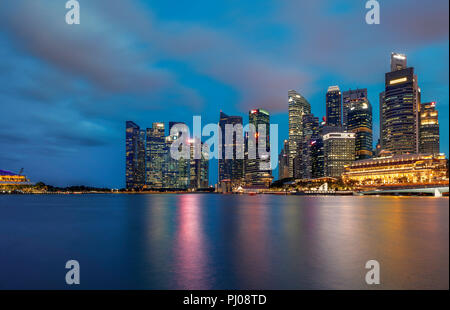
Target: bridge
{"points": [[436, 191]]}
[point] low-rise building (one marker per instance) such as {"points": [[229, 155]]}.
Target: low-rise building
{"points": [[398, 170]]}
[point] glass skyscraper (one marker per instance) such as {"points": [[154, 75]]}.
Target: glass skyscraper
{"points": [[429, 129], [303, 161], [257, 171], [134, 156], [360, 123], [400, 107], [298, 106], [283, 161], [347, 97], [232, 169], [333, 106], [155, 150]]}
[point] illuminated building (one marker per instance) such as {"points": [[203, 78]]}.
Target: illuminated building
{"points": [[199, 168], [333, 106], [303, 161], [348, 97], [10, 178], [298, 106], [317, 158], [231, 169], [134, 153], [257, 171], [176, 171], [398, 169], [155, 149], [140, 177], [360, 123], [400, 109], [283, 161], [429, 129], [339, 151]]}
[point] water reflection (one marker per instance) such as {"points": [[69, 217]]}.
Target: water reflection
{"points": [[191, 257], [207, 241]]}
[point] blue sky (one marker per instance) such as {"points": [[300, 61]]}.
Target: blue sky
{"points": [[67, 90]]}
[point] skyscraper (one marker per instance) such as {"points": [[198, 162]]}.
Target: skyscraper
{"points": [[176, 171], [400, 109], [303, 161], [199, 168], [339, 151], [140, 177], [257, 171], [347, 97], [155, 150], [360, 123], [298, 106], [283, 161], [231, 169], [333, 106], [429, 129], [134, 174]]}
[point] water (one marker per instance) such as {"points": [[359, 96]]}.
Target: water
{"points": [[208, 241]]}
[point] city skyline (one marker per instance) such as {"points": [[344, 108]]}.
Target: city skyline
{"points": [[68, 127]]}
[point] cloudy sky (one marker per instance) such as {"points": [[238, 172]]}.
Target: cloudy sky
{"points": [[67, 90]]}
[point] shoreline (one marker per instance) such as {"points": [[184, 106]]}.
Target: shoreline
{"points": [[303, 194]]}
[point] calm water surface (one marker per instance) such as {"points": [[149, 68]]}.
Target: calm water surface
{"points": [[208, 241]]}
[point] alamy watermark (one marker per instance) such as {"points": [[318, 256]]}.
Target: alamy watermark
{"points": [[236, 142], [73, 15], [373, 15]]}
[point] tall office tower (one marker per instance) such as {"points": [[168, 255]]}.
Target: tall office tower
{"points": [[199, 168], [317, 158], [231, 169], [339, 151], [360, 123], [349, 96], [298, 106], [334, 106], [398, 61], [283, 161], [303, 162], [155, 150], [133, 156], [258, 171], [429, 129], [400, 110], [141, 159], [176, 172]]}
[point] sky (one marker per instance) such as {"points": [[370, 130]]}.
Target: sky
{"points": [[67, 90]]}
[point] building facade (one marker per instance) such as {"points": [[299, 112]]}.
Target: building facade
{"points": [[199, 168], [399, 111], [134, 156], [410, 169], [155, 149], [360, 123], [257, 171], [298, 106], [334, 106], [231, 169], [283, 161], [348, 97], [303, 165], [429, 129], [339, 152]]}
